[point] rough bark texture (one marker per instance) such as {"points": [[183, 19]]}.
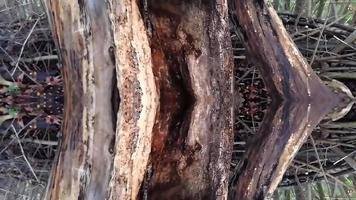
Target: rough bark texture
{"points": [[83, 34], [174, 79], [300, 100], [84, 38], [174, 82], [193, 132], [92, 149], [139, 100]]}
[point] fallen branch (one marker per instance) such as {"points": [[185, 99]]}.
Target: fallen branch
{"points": [[299, 100]]}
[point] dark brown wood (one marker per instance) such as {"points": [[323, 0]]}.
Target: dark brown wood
{"points": [[175, 116], [191, 147], [300, 100], [174, 81]]}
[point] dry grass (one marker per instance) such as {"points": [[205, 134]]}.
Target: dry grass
{"points": [[30, 84]]}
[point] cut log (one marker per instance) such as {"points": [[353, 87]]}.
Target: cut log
{"points": [[299, 100]]}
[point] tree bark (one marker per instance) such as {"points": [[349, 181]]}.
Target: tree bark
{"points": [[192, 136], [300, 7], [139, 100], [83, 34], [299, 100], [93, 47], [173, 77], [170, 63]]}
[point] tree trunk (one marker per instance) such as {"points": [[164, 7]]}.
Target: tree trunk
{"points": [[139, 100], [299, 100], [300, 7], [321, 7], [300, 194], [191, 147], [83, 34], [354, 19], [170, 63], [173, 77], [92, 49], [287, 5], [303, 8]]}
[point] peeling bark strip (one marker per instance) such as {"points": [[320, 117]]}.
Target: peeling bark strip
{"points": [[83, 33], [192, 135], [300, 100], [139, 100]]}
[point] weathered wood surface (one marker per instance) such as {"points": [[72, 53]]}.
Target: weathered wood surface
{"points": [[139, 100], [83, 34], [174, 79], [192, 138], [299, 100], [92, 46], [175, 94]]}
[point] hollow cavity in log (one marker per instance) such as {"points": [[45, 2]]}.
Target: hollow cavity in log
{"points": [[174, 84], [193, 129], [174, 87]]}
